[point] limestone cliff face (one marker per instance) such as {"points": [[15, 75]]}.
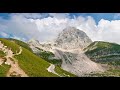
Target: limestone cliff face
{"points": [[72, 38], [76, 62], [33, 44]]}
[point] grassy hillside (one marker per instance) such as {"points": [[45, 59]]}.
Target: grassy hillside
{"points": [[14, 47], [112, 72], [31, 64], [21, 43], [4, 69], [63, 72], [104, 52], [2, 54], [46, 55]]}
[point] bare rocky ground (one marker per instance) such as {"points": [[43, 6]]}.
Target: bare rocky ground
{"points": [[77, 62]]}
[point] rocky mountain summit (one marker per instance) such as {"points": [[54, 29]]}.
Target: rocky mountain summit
{"points": [[72, 38]]}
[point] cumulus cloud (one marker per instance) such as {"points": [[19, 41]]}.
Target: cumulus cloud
{"points": [[31, 15], [46, 27], [109, 30], [105, 30], [50, 27], [34, 25], [19, 26]]}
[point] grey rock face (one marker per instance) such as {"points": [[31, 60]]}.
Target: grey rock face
{"points": [[77, 62], [36, 46], [72, 38], [33, 42]]}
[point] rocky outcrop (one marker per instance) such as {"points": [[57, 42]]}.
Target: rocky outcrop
{"points": [[77, 62], [71, 38], [37, 47]]}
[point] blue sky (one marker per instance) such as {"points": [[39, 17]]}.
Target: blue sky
{"points": [[46, 26], [99, 16], [96, 16]]}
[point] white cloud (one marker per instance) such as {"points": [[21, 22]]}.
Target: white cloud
{"points": [[109, 30], [31, 15], [89, 26], [86, 24], [19, 26], [49, 27], [27, 26]]}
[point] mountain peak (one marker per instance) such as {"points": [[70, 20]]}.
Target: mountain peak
{"points": [[34, 41], [72, 38]]}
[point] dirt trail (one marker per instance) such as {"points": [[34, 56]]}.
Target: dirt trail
{"points": [[51, 69], [15, 70], [1, 61], [19, 51]]}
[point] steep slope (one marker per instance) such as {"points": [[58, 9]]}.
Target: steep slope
{"points": [[2, 54], [31, 64], [77, 62], [71, 38], [104, 52], [44, 51], [69, 47], [21, 43], [4, 69], [22, 61]]}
